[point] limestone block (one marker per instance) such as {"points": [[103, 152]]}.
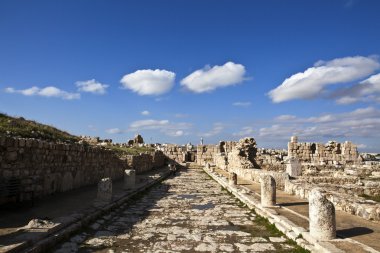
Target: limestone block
{"points": [[129, 179], [293, 167], [232, 180], [268, 190], [321, 216], [105, 189]]}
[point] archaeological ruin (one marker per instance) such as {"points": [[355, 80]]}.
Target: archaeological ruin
{"points": [[324, 197]]}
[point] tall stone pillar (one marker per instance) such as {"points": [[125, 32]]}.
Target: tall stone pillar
{"points": [[105, 190], [232, 180], [129, 179], [268, 190], [321, 216]]}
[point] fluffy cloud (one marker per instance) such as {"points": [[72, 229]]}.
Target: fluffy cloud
{"points": [[313, 81], [362, 122], [145, 113], [149, 82], [367, 90], [245, 131], [242, 104], [209, 79], [49, 91], [91, 86]]}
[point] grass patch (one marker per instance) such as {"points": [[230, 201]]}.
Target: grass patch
{"points": [[20, 127], [130, 150], [374, 198]]}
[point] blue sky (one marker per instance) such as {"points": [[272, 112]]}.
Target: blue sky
{"points": [[177, 70]]}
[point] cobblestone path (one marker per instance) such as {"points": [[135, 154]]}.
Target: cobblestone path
{"points": [[187, 213]]}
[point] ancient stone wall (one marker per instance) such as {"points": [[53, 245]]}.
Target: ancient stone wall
{"points": [[40, 168], [330, 153], [205, 153], [145, 162], [358, 206], [271, 159]]}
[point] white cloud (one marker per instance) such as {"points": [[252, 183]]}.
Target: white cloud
{"points": [[149, 82], [245, 131], [242, 104], [147, 124], [49, 91], [217, 129], [313, 81], [114, 131], [366, 91], [362, 122], [92, 86], [209, 79], [145, 113]]}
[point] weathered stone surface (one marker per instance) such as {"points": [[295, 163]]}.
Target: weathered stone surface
{"points": [[232, 180], [268, 190], [321, 216], [293, 167], [129, 179], [105, 190], [187, 213]]}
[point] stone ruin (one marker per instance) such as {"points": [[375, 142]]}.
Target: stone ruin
{"points": [[331, 153], [243, 154]]}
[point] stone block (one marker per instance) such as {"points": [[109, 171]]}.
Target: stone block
{"points": [[105, 190], [129, 179]]}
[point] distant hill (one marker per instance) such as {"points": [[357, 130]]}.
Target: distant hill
{"points": [[20, 127]]}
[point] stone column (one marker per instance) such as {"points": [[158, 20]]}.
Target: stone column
{"points": [[232, 180], [321, 216], [105, 189], [293, 167], [129, 179], [268, 190]]}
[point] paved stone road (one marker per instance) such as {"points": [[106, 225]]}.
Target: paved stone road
{"points": [[187, 213]]}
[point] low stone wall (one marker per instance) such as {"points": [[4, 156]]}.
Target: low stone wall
{"points": [[254, 175], [145, 162], [38, 168], [368, 210]]}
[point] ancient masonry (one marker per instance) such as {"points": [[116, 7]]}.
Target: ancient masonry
{"points": [[328, 154], [39, 168]]}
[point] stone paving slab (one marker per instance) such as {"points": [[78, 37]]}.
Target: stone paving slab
{"points": [[186, 213], [64, 212], [356, 231]]}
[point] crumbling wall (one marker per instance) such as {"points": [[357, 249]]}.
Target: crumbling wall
{"points": [[317, 153], [243, 154], [145, 162], [205, 153], [358, 206], [271, 159], [39, 168]]}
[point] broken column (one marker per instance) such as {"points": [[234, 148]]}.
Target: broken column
{"points": [[105, 189], [268, 190], [321, 216], [129, 179], [232, 180], [293, 167]]}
